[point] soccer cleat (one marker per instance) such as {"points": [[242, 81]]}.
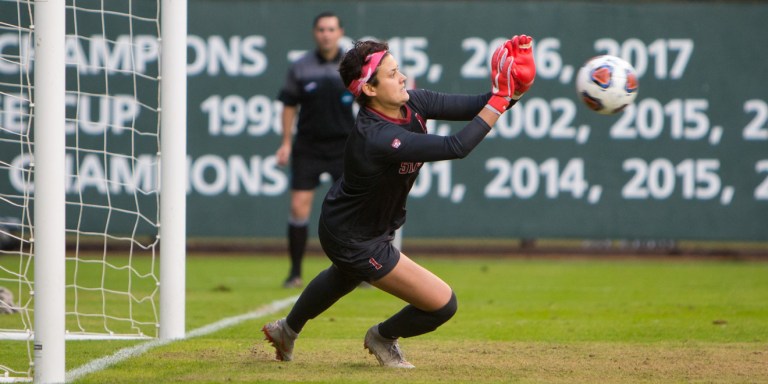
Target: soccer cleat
{"points": [[386, 351], [293, 282], [282, 337]]}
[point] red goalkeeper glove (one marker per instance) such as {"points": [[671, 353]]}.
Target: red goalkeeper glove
{"points": [[524, 71], [502, 85]]}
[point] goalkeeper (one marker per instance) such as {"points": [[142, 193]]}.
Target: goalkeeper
{"points": [[362, 210]]}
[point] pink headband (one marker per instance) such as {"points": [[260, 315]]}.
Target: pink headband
{"points": [[372, 61]]}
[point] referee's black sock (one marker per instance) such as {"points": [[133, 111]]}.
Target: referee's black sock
{"points": [[411, 321], [324, 290], [297, 244]]}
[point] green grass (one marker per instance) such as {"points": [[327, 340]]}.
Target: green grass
{"points": [[618, 321]]}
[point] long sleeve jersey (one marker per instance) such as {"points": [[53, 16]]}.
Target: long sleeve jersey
{"points": [[382, 159]]}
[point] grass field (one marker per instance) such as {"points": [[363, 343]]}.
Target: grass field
{"points": [[519, 320]]}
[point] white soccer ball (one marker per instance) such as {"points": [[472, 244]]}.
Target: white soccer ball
{"points": [[607, 84]]}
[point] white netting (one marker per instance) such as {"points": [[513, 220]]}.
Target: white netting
{"points": [[15, 203], [112, 202]]}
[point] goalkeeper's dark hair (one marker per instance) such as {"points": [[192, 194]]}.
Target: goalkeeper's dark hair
{"points": [[352, 64]]}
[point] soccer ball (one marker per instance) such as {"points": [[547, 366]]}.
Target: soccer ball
{"points": [[607, 84]]}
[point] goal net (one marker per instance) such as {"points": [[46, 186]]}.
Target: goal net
{"points": [[110, 175]]}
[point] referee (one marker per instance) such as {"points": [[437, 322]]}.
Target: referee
{"points": [[314, 91]]}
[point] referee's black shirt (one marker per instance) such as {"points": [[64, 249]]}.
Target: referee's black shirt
{"points": [[325, 113]]}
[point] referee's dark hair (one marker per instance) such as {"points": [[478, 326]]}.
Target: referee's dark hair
{"points": [[324, 15]]}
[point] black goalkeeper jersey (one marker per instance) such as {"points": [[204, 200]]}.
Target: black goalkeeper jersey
{"points": [[382, 159]]}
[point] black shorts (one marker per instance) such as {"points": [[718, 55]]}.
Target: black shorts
{"points": [[306, 169], [366, 262]]}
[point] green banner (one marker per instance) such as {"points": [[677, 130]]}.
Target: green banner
{"points": [[689, 160]]}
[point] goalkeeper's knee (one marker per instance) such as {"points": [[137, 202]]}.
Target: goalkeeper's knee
{"points": [[431, 320], [445, 313], [411, 321]]}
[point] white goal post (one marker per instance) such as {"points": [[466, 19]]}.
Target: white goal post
{"points": [[50, 197], [173, 205], [48, 102]]}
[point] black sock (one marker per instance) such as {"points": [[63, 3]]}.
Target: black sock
{"points": [[325, 289], [411, 321], [297, 244]]}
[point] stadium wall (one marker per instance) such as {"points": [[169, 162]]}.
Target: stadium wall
{"points": [[688, 161]]}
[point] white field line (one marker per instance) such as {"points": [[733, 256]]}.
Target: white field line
{"points": [[130, 352]]}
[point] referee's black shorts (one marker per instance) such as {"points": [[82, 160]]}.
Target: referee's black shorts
{"points": [[307, 166]]}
